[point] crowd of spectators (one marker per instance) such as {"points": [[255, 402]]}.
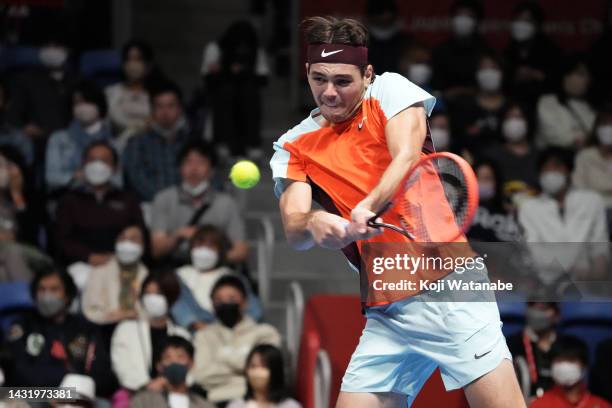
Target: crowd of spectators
{"points": [[135, 258]]}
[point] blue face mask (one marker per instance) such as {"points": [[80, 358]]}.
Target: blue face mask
{"points": [[175, 373]]}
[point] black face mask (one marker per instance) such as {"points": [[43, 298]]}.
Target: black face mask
{"points": [[175, 373], [228, 313]]}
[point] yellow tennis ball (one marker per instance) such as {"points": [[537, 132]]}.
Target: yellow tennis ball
{"points": [[245, 174]]}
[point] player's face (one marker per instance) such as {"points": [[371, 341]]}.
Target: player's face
{"points": [[337, 89]]}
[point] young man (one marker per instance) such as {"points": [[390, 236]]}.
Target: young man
{"points": [[349, 155]]}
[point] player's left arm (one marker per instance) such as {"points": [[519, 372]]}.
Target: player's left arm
{"points": [[405, 134]]}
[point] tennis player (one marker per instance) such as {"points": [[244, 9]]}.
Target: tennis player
{"points": [[349, 155]]}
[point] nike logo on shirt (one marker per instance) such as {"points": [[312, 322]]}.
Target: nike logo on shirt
{"points": [[476, 356], [327, 54]]}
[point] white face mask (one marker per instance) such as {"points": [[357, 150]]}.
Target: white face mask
{"points": [[566, 374], [128, 252], [196, 190], [489, 79], [172, 131], [552, 181], [204, 258], [441, 138], [486, 191], [419, 73], [97, 172], [514, 129], [52, 56], [155, 305], [522, 30], [86, 112], [604, 134], [463, 25]]}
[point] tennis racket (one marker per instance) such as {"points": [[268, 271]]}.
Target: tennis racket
{"points": [[436, 200]]}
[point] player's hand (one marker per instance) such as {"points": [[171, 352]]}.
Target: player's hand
{"points": [[329, 230], [359, 228]]}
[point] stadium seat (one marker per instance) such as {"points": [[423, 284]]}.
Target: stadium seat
{"points": [[589, 321], [17, 58], [512, 313], [14, 299], [333, 323], [102, 66]]}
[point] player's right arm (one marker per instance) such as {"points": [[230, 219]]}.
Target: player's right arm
{"points": [[305, 227]]}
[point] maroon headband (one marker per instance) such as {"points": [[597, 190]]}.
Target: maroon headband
{"points": [[338, 53]]}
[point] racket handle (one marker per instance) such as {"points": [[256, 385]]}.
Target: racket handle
{"points": [[379, 213]]}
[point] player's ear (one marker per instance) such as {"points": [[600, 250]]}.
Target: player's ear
{"points": [[369, 73]]}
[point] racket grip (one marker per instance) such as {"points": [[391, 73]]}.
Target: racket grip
{"points": [[379, 213]]}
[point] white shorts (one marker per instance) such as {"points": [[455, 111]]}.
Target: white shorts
{"points": [[404, 342]]}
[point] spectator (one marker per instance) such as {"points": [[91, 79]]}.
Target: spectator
{"points": [[531, 348], [564, 214], [90, 217], [19, 213], [532, 58], [386, 37], [439, 123], [594, 163], [113, 289], [234, 70], [149, 158], [569, 371], [222, 347], [566, 118], [129, 102], [176, 359], [66, 146], [516, 157], [265, 380], [456, 60], [50, 342], [415, 63], [9, 134], [194, 308], [492, 222], [179, 209], [40, 97], [137, 344], [475, 118]]}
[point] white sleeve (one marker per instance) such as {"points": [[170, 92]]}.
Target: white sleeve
{"points": [[395, 93]]}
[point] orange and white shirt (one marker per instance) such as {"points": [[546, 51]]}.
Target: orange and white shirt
{"points": [[344, 162]]}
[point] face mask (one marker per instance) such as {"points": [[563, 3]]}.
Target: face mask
{"points": [[175, 373], [486, 191], [604, 134], [489, 79], [522, 30], [441, 138], [134, 70], [259, 377], [419, 73], [514, 129], [538, 320], [576, 85], [49, 305], [204, 258], [196, 190], [155, 305], [463, 25], [128, 252], [52, 56], [97, 172], [228, 314], [552, 182], [86, 112], [566, 374], [169, 133]]}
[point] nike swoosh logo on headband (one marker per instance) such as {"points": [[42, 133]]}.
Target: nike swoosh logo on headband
{"points": [[327, 54]]}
